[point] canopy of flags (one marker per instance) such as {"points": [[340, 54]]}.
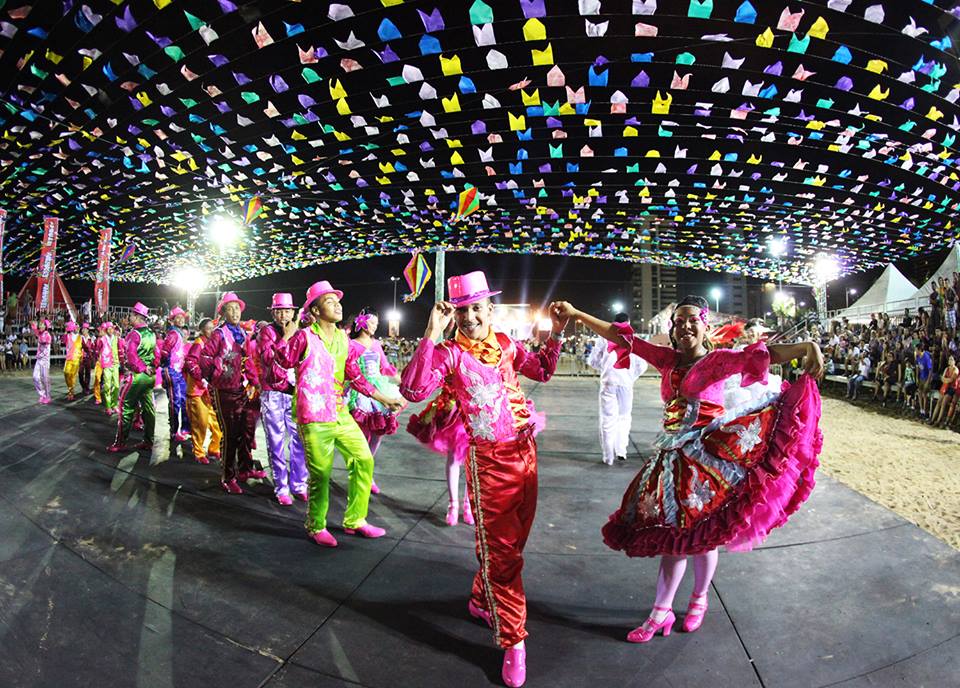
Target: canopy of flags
{"points": [[691, 132]]}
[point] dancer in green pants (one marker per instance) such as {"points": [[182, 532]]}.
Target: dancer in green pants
{"points": [[323, 360], [140, 346]]}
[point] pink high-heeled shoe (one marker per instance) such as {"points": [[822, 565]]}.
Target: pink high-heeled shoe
{"points": [[452, 515], [643, 634], [467, 513], [514, 672], [695, 613], [374, 489], [479, 614], [284, 499]]}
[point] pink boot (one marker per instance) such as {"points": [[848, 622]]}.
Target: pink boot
{"points": [[232, 487], [514, 671], [284, 499], [480, 614], [374, 489], [324, 538], [302, 496], [366, 530], [467, 513]]}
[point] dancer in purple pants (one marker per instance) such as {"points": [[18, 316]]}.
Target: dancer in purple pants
{"points": [[276, 398]]}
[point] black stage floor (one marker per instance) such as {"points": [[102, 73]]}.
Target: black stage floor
{"points": [[138, 571]]}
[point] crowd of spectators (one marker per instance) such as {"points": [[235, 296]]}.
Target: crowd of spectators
{"points": [[908, 359]]}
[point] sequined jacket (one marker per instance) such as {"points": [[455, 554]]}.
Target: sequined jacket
{"points": [[481, 390]]}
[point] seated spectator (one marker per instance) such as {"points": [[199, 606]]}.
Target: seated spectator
{"points": [[908, 383], [886, 376], [863, 372], [948, 381]]}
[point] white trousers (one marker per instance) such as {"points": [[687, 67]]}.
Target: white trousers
{"points": [[616, 413]]}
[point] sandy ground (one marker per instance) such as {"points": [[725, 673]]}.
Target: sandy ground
{"points": [[906, 466]]}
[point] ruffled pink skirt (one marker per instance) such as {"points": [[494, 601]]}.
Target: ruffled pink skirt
{"points": [[695, 498]]}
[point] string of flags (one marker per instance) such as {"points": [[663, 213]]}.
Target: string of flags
{"points": [[692, 132]]}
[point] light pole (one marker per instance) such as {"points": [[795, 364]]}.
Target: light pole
{"points": [[394, 280], [850, 291], [715, 294]]}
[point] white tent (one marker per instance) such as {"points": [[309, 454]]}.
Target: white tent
{"points": [[890, 289], [946, 269]]}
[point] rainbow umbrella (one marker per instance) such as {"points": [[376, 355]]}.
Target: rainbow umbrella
{"points": [[252, 210], [417, 274]]}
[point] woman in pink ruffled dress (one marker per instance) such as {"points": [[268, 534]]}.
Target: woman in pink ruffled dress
{"points": [[374, 419], [720, 476]]}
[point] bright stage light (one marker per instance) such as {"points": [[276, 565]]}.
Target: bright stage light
{"points": [[617, 306], [394, 315], [545, 324], [223, 230], [826, 268], [190, 278], [777, 246]]}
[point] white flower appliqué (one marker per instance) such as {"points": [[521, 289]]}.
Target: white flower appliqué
{"points": [[749, 436], [700, 493]]}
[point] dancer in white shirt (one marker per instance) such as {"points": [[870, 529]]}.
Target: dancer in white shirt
{"points": [[616, 396]]}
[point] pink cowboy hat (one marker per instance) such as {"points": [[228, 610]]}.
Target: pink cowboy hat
{"points": [[175, 312], [469, 288], [140, 309], [318, 289], [71, 326], [230, 297], [282, 300]]}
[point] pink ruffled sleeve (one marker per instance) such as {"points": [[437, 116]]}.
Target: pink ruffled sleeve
{"points": [[752, 363], [659, 357]]}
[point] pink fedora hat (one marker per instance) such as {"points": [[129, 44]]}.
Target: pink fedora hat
{"points": [[71, 326], [175, 312], [282, 300], [469, 288], [230, 297], [318, 289], [140, 309]]}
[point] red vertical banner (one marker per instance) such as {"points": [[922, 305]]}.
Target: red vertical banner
{"points": [[101, 290], [48, 264], [3, 224]]}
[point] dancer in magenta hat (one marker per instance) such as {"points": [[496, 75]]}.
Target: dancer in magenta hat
{"points": [[88, 344], [482, 369], [324, 363], [284, 446], [136, 395], [231, 373], [41, 369], [173, 352], [73, 353], [107, 378]]}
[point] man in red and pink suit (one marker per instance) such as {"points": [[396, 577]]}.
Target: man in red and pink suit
{"points": [[228, 368], [482, 369]]}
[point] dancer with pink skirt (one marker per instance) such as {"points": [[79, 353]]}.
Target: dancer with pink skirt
{"points": [[720, 476]]}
